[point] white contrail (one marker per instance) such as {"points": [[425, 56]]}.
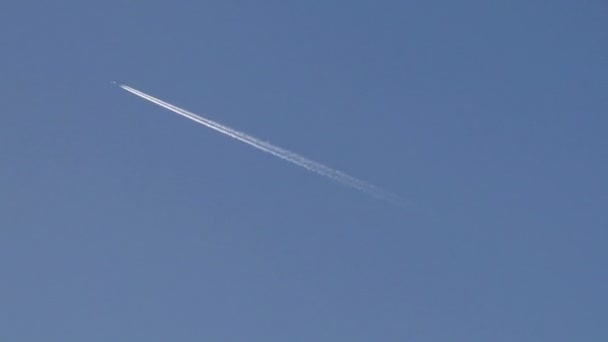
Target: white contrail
{"points": [[276, 151]]}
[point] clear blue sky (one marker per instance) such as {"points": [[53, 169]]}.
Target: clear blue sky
{"points": [[121, 221]]}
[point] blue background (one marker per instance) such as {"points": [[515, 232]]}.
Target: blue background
{"points": [[121, 221]]}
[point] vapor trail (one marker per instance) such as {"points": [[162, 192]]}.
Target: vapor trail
{"points": [[276, 151]]}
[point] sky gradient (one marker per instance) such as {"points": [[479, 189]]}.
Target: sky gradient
{"points": [[122, 221]]}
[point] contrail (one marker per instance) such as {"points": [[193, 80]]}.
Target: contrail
{"points": [[276, 151]]}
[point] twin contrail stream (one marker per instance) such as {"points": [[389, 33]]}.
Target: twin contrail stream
{"points": [[277, 151]]}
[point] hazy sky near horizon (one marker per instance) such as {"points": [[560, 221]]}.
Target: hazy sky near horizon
{"points": [[121, 221]]}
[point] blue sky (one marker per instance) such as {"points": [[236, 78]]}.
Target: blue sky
{"points": [[122, 221]]}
